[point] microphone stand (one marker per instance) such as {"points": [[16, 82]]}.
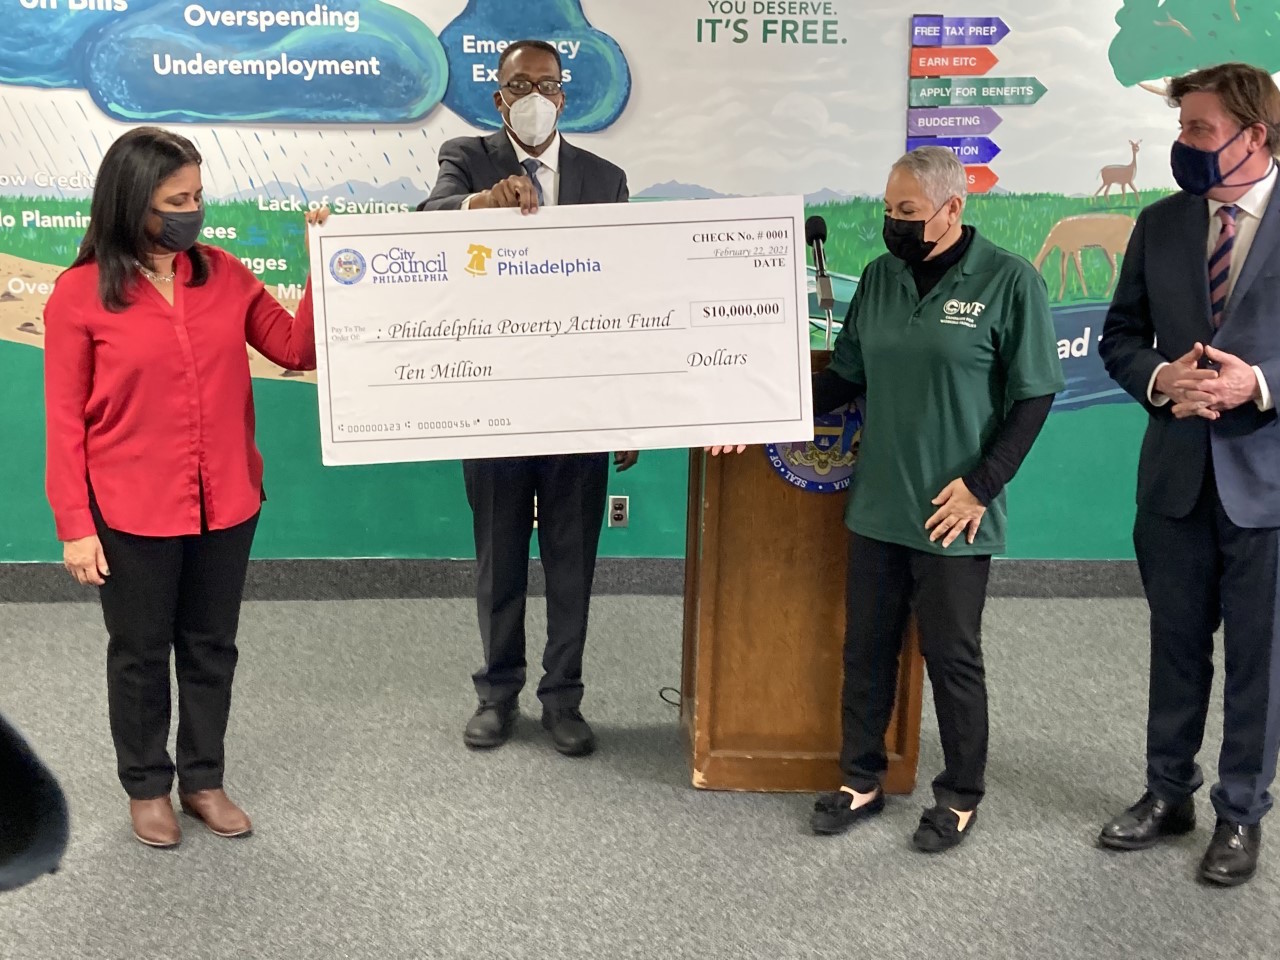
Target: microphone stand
{"points": [[822, 280]]}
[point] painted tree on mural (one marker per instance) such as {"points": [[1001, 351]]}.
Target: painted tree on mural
{"points": [[1163, 38]]}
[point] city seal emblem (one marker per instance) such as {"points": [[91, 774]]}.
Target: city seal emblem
{"points": [[825, 463], [347, 266]]}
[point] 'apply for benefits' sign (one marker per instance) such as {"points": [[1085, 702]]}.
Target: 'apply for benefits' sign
{"points": [[950, 96]]}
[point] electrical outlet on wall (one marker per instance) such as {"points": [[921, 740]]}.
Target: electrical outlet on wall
{"points": [[619, 511]]}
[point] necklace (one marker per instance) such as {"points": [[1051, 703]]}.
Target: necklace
{"points": [[155, 277]]}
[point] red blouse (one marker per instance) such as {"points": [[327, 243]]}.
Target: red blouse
{"points": [[150, 404]]}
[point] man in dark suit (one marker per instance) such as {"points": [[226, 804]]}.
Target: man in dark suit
{"points": [[529, 165], [1194, 334]]}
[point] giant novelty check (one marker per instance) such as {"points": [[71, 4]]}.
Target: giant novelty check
{"points": [[488, 333]]}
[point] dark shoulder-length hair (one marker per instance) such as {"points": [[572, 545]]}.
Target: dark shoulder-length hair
{"points": [[133, 167]]}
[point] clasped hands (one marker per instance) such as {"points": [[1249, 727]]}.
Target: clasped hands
{"points": [[1206, 392]]}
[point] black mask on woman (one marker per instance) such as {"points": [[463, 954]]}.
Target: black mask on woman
{"points": [[180, 229], [905, 238]]}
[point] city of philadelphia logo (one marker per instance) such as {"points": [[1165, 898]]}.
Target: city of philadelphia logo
{"points": [[347, 266], [518, 262], [478, 260], [962, 313], [825, 463]]}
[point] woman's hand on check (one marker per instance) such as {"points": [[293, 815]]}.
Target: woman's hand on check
{"points": [[716, 451], [959, 512], [314, 218]]}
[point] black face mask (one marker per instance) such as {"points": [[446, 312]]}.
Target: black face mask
{"points": [[179, 230], [905, 238]]}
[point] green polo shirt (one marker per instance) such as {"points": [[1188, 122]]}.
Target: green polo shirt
{"points": [[940, 375]]}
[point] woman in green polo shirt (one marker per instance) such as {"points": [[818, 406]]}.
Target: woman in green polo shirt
{"points": [[949, 346]]}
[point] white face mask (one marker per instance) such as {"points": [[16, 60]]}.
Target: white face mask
{"points": [[533, 119]]}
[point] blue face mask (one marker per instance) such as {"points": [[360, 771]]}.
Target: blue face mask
{"points": [[1197, 172]]}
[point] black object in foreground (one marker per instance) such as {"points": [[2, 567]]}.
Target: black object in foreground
{"points": [[34, 825]]}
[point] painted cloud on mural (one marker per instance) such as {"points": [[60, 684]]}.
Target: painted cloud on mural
{"points": [[48, 48], [267, 60]]}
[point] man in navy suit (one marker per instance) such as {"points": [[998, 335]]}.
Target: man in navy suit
{"points": [[1194, 334], [529, 165]]}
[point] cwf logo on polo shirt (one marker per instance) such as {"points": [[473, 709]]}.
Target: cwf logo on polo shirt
{"points": [[962, 313]]}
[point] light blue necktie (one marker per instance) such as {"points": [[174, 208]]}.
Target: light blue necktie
{"points": [[531, 166]]}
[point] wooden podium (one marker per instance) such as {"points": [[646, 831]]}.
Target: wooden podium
{"points": [[764, 631]]}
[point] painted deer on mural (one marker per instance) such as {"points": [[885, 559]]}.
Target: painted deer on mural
{"points": [[1107, 231], [1120, 174]]}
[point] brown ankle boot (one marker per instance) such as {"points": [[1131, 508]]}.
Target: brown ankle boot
{"points": [[154, 822], [217, 811]]}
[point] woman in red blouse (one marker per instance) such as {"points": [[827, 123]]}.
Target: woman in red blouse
{"points": [[152, 471]]}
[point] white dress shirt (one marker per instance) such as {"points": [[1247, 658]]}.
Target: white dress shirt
{"points": [[1250, 209], [548, 173]]}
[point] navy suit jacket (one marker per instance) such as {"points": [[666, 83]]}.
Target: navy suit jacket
{"points": [[1159, 312], [471, 164]]}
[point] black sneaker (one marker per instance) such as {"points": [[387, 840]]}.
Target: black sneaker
{"points": [[491, 726], [939, 830], [834, 813]]}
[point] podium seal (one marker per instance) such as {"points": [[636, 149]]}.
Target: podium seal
{"points": [[825, 463]]}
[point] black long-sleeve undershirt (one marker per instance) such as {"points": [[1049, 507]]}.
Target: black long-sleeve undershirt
{"points": [[1008, 448]]}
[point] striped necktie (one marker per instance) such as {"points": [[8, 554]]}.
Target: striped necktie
{"points": [[531, 166], [1220, 262]]}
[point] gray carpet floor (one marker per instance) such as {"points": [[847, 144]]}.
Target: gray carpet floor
{"points": [[379, 836]]}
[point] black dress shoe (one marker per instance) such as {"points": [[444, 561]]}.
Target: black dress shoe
{"points": [[491, 726], [569, 731], [1147, 822], [834, 813], [1232, 857], [939, 830]]}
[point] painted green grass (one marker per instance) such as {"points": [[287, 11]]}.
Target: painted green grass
{"points": [[276, 236], [1017, 222]]}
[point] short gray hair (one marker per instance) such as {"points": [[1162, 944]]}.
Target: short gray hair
{"points": [[940, 174]]}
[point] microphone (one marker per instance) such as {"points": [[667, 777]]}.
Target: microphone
{"points": [[815, 228], [815, 235]]}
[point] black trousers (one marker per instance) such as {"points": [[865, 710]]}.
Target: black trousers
{"points": [[886, 582], [182, 593], [571, 492], [1200, 572]]}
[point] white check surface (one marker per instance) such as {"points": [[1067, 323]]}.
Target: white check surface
{"points": [[487, 333]]}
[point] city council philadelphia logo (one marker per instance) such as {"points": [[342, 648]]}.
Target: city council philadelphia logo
{"points": [[825, 463], [478, 264], [347, 266]]}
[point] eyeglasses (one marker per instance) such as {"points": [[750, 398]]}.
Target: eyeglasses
{"points": [[522, 88]]}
